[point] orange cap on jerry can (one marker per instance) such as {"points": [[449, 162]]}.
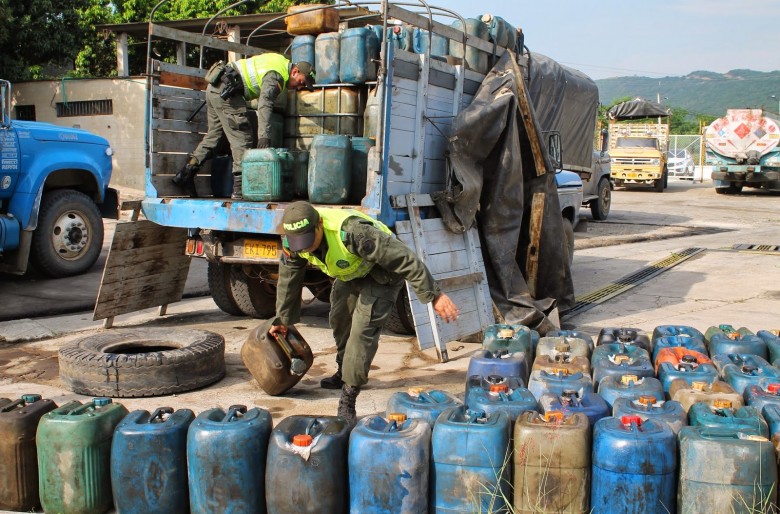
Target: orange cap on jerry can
{"points": [[499, 388], [628, 379], [553, 415], [698, 386], [647, 399], [721, 404], [398, 417], [302, 440]]}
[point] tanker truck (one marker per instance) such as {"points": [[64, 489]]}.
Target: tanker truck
{"points": [[743, 149]]}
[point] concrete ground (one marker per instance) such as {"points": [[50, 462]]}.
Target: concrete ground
{"points": [[718, 285]]}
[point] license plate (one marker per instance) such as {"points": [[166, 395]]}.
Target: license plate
{"points": [[261, 249]]}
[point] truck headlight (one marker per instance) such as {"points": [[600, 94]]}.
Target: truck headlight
{"points": [[109, 151], [613, 161], [655, 162]]}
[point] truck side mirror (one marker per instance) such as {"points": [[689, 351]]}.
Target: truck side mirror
{"points": [[554, 149], [604, 140], [5, 103]]}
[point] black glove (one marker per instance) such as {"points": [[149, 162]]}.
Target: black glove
{"points": [[264, 142]]}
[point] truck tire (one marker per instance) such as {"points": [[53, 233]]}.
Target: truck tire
{"points": [[219, 287], [142, 362], [255, 298], [69, 237], [401, 320], [568, 239], [658, 185], [730, 190], [599, 207]]}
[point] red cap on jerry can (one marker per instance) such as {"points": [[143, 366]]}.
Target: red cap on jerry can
{"points": [[302, 440], [773, 388], [628, 420]]}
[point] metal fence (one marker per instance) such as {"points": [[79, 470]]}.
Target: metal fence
{"points": [[691, 143]]}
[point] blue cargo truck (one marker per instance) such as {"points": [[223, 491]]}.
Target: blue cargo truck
{"points": [[412, 112], [53, 193]]}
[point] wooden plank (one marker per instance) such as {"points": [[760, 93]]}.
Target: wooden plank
{"points": [[179, 110], [200, 127], [169, 67], [196, 39], [164, 285], [174, 141], [176, 93], [188, 81], [534, 245]]}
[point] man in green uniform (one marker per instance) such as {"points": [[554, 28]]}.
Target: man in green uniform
{"points": [[369, 266], [231, 86]]}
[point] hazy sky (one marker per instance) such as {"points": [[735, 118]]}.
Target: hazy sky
{"points": [[654, 38]]}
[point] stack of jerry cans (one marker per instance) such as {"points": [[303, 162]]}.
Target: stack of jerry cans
{"points": [[306, 467], [149, 462], [74, 456], [552, 463], [471, 462], [18, 452], [226, 454], [389, 463]]}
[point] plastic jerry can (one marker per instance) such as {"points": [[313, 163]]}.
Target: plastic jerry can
{"points": [[327, 51], [502, 33], [300, 173], [149, 462], [330, 169], [400, 36], [359, 50], [423, 41], [226, 454], [706, 453], [687, 370], [506, 395], [306, 469], [360, 149], [619, 359], [649, 407], [721, 414], [572, 333], [762, 394], [471, 461], [707, 392], [266, 175], [677, 331], [302, 49], [552, 463], [556, 382], [742, 341], [74, 456], [501, 363], [571, 402], [276, 362], [772, 341], [18, 452], [742, 370], [678, 342], [573, 346], [771, 414], [330, 110], [418, 403], [634, 466], [389, 465], [562, 360], [311, 19], [627, 336], [613, 387], [370, 114], [476, 60], [509, 338]]}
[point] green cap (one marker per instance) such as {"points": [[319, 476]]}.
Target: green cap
{"points": [[307, 70], [298, 223]]}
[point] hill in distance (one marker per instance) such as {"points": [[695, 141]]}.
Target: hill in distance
{"points": [[700, 92]]}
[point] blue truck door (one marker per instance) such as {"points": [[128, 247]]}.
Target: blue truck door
{"points": [[9, 162]]}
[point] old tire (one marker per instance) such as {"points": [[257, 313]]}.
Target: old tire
{"points": [[599, 207], [401, 320], [568, 239], [658, 185], [255, 298], [69, 236], [219, 287], [142, 362], [730, 190]]}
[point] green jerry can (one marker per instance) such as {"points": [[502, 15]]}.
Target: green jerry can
{"points": [[74, 456], [266, 175]]}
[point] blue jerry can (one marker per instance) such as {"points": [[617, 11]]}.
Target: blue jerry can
{"points": [[421, 404], [149, 462], [742, 341], [627, 336], [572, 333], [766, 392], [742, 370], [615, 359], [572, 402], [634, 466], [302, 49], [501, 363], [509, 338], [573, 346], [326, 57], [677, 331], [330, 168], [359, 50], [506, 395], [613, 387], [542, 381], [723, 415], [649, 407], [226, 454], [772, 340], [678, 341]]}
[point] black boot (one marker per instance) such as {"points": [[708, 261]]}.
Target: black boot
{"points": [[346, 409], [236, 187], [334, 382], [185, 178]]}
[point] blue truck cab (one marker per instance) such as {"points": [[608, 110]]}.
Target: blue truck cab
{"points": [[53, 193]]}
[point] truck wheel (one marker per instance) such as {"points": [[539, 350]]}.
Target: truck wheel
{"points": [[599, 207], [69, 236], [666, 177], [401, 320], [255, 298], [142, 362], [568, 239], [658, 185], [730, 190], [219, 287]]}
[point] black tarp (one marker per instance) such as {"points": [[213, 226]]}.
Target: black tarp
{"points": [[636, 109], [565, 100], [496, 181]]}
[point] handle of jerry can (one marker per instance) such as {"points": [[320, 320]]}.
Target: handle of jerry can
{"points": [[314, 427], [158, 416], [297, 366], [392, 426], [425, 397], [13, 405], [234, 412]]}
